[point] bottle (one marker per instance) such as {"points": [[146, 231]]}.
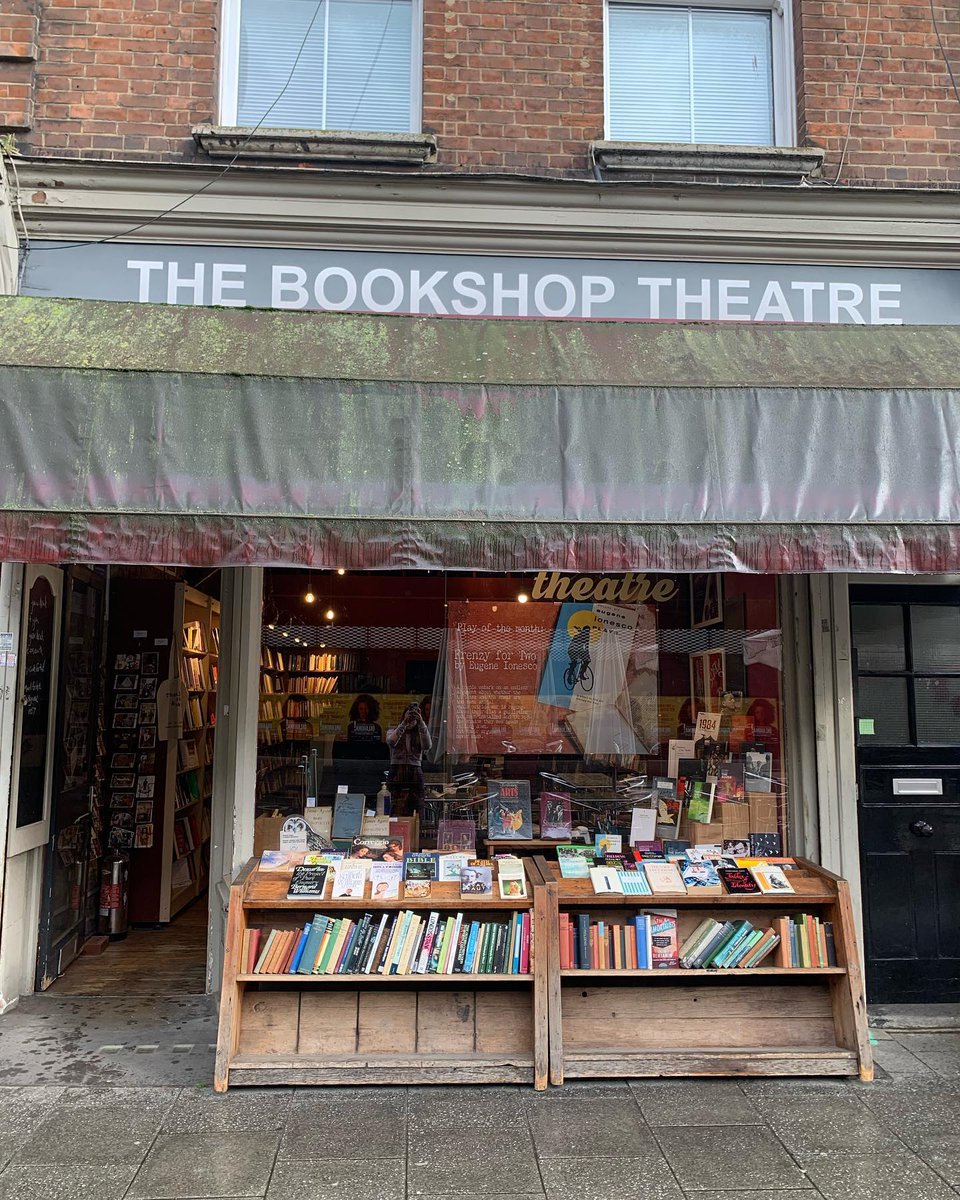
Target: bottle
{"points": [[383, 801]]}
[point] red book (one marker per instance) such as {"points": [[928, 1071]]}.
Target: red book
{"points": [[254, 951], [525, 944]]}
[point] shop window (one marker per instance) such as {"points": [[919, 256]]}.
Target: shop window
{"points": [[320, 64], [878, 637], [698, 74], [594, 698], [935, 637]]}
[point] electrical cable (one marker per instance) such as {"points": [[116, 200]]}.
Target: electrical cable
{"points": [[854, 97], [216, 179], [373, 64], [943, 52]]}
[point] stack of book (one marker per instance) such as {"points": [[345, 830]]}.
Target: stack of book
{"points": [[405, 943], [723, 944], [805, 941]]}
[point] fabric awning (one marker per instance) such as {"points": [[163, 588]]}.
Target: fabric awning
{"points": [[152, 434]]}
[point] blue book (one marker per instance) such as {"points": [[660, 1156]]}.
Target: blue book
{"points": [[517, 938], [471, 947], [309, 952], [348, 814], [743, 931], [298, 953], [639, 923]]}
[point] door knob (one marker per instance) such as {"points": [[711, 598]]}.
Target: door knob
{"points": [[921, 829]]}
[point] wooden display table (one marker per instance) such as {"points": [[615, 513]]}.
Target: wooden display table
{"points": [[377, 1029], [757, 1021]]}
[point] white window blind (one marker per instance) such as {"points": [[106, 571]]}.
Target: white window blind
{"points": [[690, 75], [354, 70]]}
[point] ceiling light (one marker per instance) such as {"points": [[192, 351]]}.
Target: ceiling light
{"points": [[522, 598], [341, 570], [309, 597], [329, 614]]}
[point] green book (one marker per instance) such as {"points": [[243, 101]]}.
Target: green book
{"points": [[321, 966]]}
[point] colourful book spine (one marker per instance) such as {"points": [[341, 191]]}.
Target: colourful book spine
{"points": [[471, 947], [253, 952], [298, 953], [452, 947], [423, 958], [525, 945]]}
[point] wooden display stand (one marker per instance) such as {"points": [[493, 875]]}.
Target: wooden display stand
{"points": [[376, 1029], [758, 1021]]}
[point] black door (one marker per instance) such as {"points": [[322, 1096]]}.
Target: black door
{"points": [[907, 683]]}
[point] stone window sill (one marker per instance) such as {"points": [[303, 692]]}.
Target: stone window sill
{"points": [[322, 145], [680, 163]]}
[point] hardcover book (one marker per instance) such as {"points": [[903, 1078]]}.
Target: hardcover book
{"points": [[348, 814], [420, 866], [736, 847], [771, 879], [605, 879], [758, 770], [607, 843], [450, 866], [667, 802], [765, 845], [575, 860], [508, 810], [643, 824], [555, 819], [476, 881]]}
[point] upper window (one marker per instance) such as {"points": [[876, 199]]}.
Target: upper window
{"points": [[320, 64], [696, 74]]}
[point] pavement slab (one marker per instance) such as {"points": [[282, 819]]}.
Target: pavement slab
{"points": [[895, 1174], [729, 1156], [695, 1102], [206, 1165], [367, 1178], [590, 1127], [347, 1131], [619, 1177], [32, 1181], [90, 1136]]}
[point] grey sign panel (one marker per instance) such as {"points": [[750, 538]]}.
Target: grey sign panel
{"points": [[475, 285]]}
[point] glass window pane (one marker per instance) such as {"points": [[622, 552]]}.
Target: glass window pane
{"points": [[878, 637], [369, 65], [938, 711], [649, 74], [935, 637], [732, 78], [271, 35], [884, 701]]}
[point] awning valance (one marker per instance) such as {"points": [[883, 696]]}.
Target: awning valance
{"points": [[149, 434]]}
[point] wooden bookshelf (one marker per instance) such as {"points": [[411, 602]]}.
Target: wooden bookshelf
{"points": [[739, 1022], [374, 1029]]}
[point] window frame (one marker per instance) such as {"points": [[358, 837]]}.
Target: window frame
{"points": [[229, 73], [781, 54]]}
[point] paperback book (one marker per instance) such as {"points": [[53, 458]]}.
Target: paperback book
{"points": [[555, 816], [508, 810]]}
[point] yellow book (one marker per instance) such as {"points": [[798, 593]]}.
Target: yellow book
{"points": [[397, 927], [324, 940], [342, 935], [409, 942]]}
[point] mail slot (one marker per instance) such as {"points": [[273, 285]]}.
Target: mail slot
{"points": [[918, 787]]}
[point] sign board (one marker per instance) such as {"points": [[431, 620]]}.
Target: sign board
{"points": [[477, 285]]}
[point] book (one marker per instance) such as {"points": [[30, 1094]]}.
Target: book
{"points": [[758, 770], [508, 810], [730, 784], [575, 860], [456, 835], [307, 883], [708, 726], [738, 881], [420, 866], [385, 880], [607, 843], [771, 878], [667, 803], [736, 847], [555, 818], [450, 865], [700, 802], [634, 883], [416, 889], [348, 814], [605, 879], [664, 951], [700, 877], [348, 882], [511, 878], [765, 845], [476, 881], [664, 878]]}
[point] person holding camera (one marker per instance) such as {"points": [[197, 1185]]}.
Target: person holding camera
{"points": [[408, 740]]}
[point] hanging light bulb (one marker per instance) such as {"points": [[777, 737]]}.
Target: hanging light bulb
{"points": [[341, 570], [309, 597], [329, 614], [522, 598]]}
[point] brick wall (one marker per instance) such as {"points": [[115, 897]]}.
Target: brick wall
{"points": [[509, 85], [906, 120]]}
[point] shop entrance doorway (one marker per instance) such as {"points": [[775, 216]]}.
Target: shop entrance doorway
{"points": [[907, 713]]}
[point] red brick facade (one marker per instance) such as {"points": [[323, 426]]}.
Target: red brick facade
{"points": [[508, 85]]}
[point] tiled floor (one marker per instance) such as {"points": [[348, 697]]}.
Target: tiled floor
{"points": [[894, 1139]]}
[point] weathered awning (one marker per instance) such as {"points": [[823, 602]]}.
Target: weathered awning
{"points": [[152, 434]]}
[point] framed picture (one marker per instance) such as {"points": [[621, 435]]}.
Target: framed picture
{"points": [[125, 720], [126, 683], [708, 679], [148, 737], [706, 600], [127, 702], [151, 663]]}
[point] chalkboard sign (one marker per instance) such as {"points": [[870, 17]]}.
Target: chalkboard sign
{"points": [[307, 882], [35, 726]]}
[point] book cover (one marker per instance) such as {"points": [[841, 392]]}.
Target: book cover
{"points": [[420, 866], [450, 866], [700, 876], [555, 818], [348, 882], [348, 814], [605, 879], [575, 859], [508, 809], [307, 883], [664, 878], [416, 889], [385, 880], [368, 847], [700, 802], [676, 846], [643, 825], [667, 803], [738, 881], [771, 879], [708, 726], [634, 883], [730, 784], [692, 943], [512, 887], [476, 881], [456, 836], [765, 845], [677, 749], [607, 843], [664, 950], [758, 770]]}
